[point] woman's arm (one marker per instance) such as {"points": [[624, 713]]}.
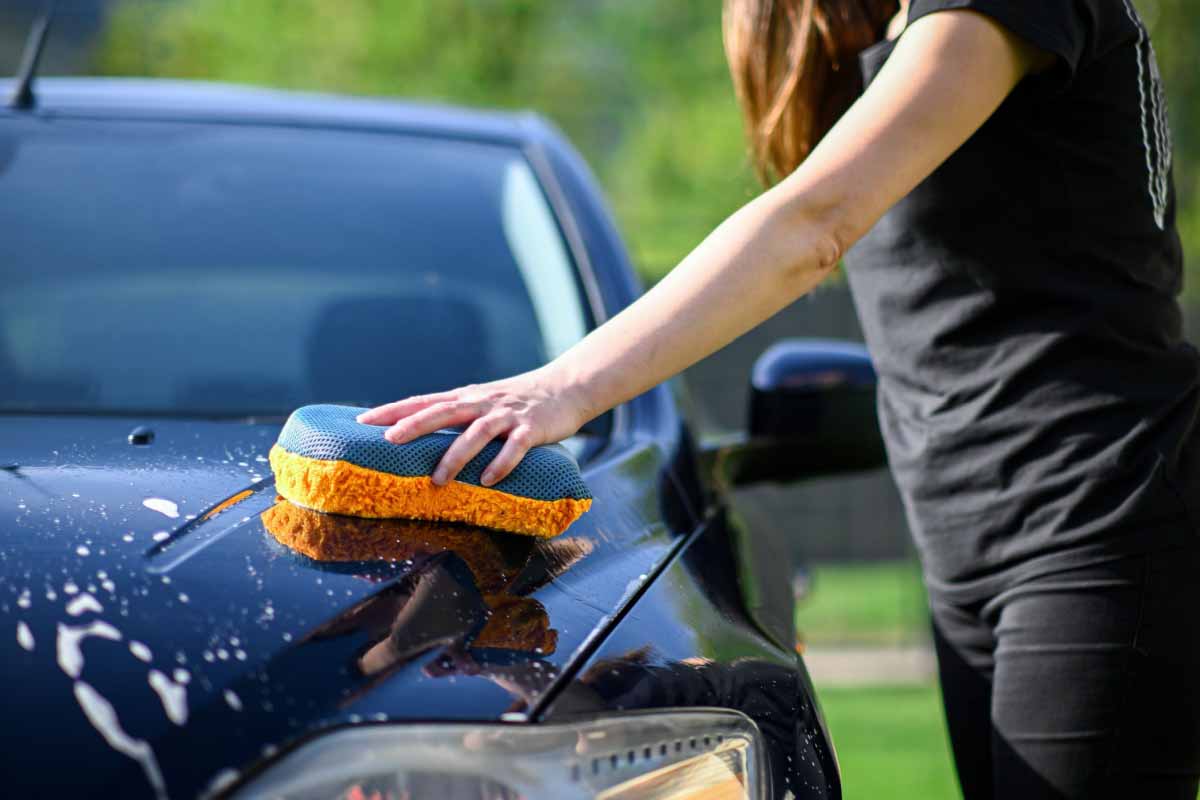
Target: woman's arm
{"points": [[948, 74]]}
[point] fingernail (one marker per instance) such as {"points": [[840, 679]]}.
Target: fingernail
{"points": [[486, 479], [439, 477]]}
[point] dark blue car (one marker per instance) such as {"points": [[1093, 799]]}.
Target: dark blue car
{"points": [[182, 265]]}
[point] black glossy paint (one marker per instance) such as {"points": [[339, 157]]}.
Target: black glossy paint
{"points": [[222, 599], [272, 646], [690, 642], [812, 413], [804, 388]]}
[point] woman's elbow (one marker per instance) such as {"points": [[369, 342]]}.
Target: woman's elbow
{"points": [[818, 233]]}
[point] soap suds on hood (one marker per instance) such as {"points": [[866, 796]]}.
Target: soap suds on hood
{"points": [[70, 641], [24, 636], [104, 719], [173, 696], [82, 604], [162, 506]]}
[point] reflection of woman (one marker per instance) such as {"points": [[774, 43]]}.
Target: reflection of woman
{"points": [[1001, 194]]}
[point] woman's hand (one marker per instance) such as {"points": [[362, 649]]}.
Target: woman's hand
{"points": [[534, 408]]}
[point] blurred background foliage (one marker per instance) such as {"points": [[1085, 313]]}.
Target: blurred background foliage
{"points": [[640, 86]]}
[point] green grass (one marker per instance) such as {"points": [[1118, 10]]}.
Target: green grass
{"points": [[891, 742], [876, 604]]}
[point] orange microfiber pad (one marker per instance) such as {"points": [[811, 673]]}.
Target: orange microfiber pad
{"points": [[328, 461]]}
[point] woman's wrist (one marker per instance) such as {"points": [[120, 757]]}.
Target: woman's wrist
{"points": [[563, 379]]}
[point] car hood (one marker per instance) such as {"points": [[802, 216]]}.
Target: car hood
{"points": [[171, 622]]}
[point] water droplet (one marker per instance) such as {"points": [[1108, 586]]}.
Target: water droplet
{"points": [[140, 651], [220, 782], [24, 636]]}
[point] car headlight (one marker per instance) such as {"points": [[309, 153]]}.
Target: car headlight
{"points": [[677, 755]]}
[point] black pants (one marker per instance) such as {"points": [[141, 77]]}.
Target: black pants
{"points": [[1080, 684]]}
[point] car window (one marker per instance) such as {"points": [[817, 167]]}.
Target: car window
{"points": [[224, 269]]}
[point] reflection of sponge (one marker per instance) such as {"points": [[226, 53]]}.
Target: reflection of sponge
{"points": [[493, 559], [496, 562], [328, 461]]}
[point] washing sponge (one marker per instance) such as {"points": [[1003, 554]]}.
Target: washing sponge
{"points": [[328, 461]]}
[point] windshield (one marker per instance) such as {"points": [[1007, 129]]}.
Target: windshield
{"points": [[240, 270]]}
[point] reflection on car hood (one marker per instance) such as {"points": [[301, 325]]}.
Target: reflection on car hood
{"points": [[171, 621]]}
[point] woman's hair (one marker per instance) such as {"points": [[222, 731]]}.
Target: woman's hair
{"points": [[795, 70]]}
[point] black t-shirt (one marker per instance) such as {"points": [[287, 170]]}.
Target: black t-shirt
{"points": [[1036, 395]]}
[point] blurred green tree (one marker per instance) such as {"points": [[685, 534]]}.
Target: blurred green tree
{"points": [[640, 86]]}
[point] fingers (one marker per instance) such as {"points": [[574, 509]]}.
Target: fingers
{"points": [[515, 447], [441, 415], [486, 418], [391, 413], [467, 446]]}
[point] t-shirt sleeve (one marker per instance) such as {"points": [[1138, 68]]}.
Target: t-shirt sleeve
{"points": [[1055, 26]]}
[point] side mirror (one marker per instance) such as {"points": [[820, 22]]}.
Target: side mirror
{"points": [[812, 413]]}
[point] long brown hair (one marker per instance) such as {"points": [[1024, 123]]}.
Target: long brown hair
{"points": [[795, 71]]}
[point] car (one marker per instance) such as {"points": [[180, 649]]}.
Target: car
{"points": [[185, 263]]}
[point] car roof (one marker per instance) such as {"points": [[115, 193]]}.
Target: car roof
{"points": [[200, 101]]}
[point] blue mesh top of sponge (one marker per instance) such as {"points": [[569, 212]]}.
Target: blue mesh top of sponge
{"points": [[331, 433]]}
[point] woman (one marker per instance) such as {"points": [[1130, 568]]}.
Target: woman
{"points": [[1001, 195]]}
